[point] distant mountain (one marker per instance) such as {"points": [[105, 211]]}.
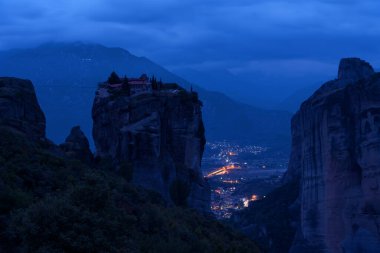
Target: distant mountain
{"points": [[293, 102], [222, 81], [259, 87], [66, 77]]}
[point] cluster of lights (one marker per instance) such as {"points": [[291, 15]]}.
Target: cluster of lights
{"points": [[228, 149], [246, 201], [226, 208], [224, 199]]}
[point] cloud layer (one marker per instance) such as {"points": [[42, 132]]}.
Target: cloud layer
{"points": [[242, 36]]}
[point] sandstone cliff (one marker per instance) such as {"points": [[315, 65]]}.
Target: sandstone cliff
{"points": [[155, 139], [336, 155], [19, 108]]}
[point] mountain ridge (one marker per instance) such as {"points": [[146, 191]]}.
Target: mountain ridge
{"points": [[66, 78]]}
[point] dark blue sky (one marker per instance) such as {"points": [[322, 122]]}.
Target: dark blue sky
{"points": [[296, 40]]}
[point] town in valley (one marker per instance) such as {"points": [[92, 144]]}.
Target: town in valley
{"points": [[240, 174]]}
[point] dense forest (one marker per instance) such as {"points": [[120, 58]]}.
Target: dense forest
{"points": [[49, 203]]}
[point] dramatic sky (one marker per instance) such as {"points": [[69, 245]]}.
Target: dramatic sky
{"points": [[296, 41]]}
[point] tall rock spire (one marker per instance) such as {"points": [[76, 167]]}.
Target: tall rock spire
{"points": [[335, 153]]}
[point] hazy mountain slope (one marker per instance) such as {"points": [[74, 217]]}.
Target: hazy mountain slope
{"points": [[229, 119], [66, 76], [222, 81], [293, 102]]}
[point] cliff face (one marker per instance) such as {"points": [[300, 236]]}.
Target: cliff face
{"points": [[336, 155], [156, 140], [19, 108]]}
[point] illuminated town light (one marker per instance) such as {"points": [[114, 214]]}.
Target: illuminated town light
{"points": [[219, 191], [231, 181], [246, 201], [224, 170], [254, 197]]}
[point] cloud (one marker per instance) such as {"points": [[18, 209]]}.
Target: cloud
{"points": [[240, 35]]}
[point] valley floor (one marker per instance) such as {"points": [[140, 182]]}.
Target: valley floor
{"points": [[240, 174]]}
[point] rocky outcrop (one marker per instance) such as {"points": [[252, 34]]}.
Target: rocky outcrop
{"points": [[76, 146], [336, 156], [19, 108], [354, 69], [156, 139]]}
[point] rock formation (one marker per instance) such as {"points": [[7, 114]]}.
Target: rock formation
{"points": [[76, 146], [336, 155], [19, 108], [49, 203], [156, 139], [354, 69]]}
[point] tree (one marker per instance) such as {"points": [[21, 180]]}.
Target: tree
{"points": [[126, 87], [160, 84], [114, 78], [153, 80], [179, 192]]}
